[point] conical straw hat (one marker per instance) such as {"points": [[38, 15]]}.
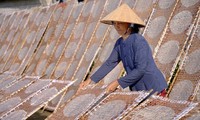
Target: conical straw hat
{"points": [[123, 14]]}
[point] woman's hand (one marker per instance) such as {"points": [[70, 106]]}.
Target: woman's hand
{"points": [[84, 84], [112, 86]]}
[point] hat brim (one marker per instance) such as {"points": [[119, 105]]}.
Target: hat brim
{"points": [[110, 22]]}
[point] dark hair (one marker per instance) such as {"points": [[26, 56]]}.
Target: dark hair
{"points": [[135, 28]]}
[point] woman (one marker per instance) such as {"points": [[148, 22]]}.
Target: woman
{"points": [[134, 52]]}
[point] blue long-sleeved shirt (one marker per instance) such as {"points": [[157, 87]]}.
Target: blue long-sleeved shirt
{"points": [[136, 56]]}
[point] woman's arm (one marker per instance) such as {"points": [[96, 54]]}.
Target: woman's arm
{"points": [[109, 64]]}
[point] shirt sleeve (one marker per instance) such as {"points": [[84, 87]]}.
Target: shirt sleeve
{"points": [[107, 66], [140, 63]]}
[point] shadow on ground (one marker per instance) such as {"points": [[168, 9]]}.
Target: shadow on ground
{"points": [[40, 115]]}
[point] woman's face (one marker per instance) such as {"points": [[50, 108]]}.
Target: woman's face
{"points": [[121, 27]]}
